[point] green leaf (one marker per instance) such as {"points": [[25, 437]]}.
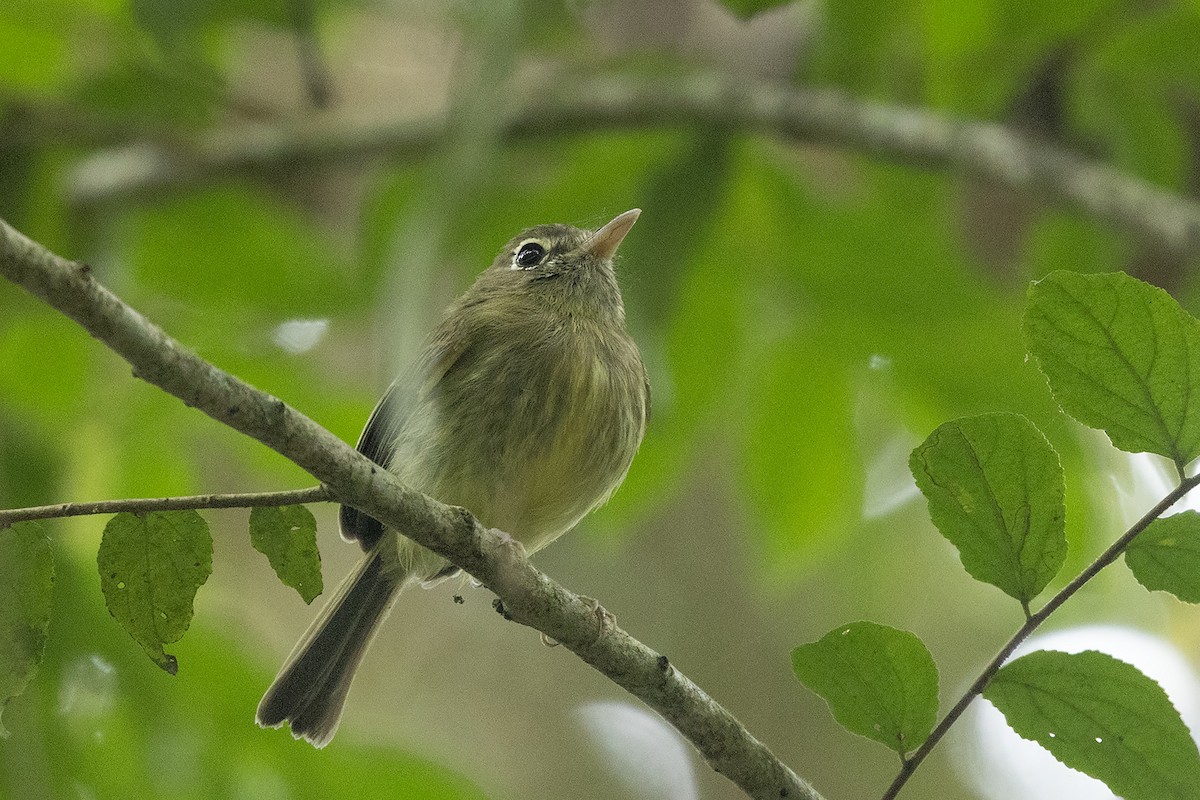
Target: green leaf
{"points": [[26, 588], [879, 682], [170, 740], [232, 249], [287, 536], [801, 467], [748, 8], [33, 57], [1166, 556], [995, 490], [150, 568], [25, 338], [1102, 717], [671, 235], [1118, 100], [1120, 355]]}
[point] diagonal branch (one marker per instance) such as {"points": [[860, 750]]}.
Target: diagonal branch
{"points": [[562, 105], [529, 596], [315, 494]]}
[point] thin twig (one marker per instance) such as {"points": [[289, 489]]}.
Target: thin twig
{"points": [[528, 595], [1110, 555], [315, 494]]}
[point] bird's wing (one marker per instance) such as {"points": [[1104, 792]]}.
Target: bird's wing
{"points": [[406, 393]]}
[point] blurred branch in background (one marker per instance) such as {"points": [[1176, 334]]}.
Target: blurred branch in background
{"points": [[562, 106]]}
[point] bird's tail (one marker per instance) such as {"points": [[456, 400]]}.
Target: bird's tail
{"points": [[310, 689]]}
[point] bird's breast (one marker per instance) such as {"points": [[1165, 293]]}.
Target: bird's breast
{"points": [[538, 435]]}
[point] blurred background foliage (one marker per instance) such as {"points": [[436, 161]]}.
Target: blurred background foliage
{"points": [[808, 316]]}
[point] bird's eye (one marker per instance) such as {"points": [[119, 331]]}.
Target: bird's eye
{"points": [[529, 255]]}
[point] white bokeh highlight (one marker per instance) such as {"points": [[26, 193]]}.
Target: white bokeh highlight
{"points": [[646, 753], [1142, 481], [883, 441], [298, 336]]}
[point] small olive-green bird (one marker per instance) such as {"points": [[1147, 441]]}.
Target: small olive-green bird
{"points": [[526, 407]]}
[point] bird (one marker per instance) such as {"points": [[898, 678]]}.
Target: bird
{"points": [[526, 406]]}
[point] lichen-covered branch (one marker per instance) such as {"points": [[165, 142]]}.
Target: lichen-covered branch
{"points": [[565, 104], [529, 596]]}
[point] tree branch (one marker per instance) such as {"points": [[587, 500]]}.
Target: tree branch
{"points": [[564, 105], [315, 494], [529, 596]]}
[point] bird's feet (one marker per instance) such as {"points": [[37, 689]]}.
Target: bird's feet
{"points": [[605, 619], [508, 542]]}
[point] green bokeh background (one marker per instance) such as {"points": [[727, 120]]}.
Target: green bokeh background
{"points": [[808, 315]]}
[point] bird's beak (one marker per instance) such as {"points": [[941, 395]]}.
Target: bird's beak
{"points": [[604, 242]]}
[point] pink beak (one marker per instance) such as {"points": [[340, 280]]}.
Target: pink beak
{"points": [[604, 242]]}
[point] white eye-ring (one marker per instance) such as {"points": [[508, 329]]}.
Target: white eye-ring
{"points": [[528, 255]]}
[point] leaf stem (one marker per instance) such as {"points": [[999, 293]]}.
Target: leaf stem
{"points": [[1111, 554], [315, 494]]}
